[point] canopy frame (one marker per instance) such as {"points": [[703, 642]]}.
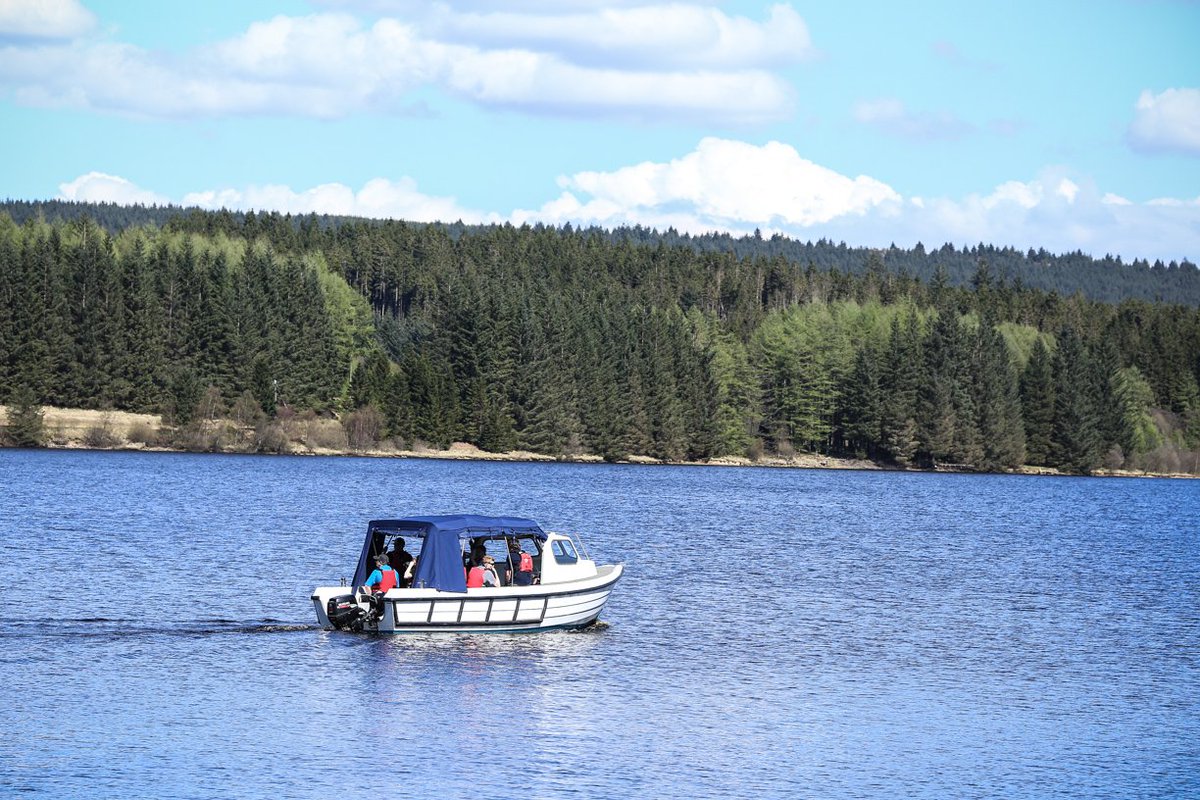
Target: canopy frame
{"points": [[440, 564]]}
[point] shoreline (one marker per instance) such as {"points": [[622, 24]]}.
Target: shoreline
{"points": [[84, 429]]}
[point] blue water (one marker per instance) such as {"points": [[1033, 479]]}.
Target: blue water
{"points": [[778, 633]]}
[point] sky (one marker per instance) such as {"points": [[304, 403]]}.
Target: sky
{"points": [[1060, 125]]}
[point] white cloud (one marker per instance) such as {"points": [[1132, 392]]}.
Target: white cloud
{"points": [[1067, 189], [97, 187], [736, 187], [721, 185], [417, 7], [1052, 211], [1174, 202], [892, 117], [378, 198], [1167, 122], [709, 66], [1025, 195], [44, 19], [644, 37]]}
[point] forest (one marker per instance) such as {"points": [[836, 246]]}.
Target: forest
{"points": [[572, 342]]}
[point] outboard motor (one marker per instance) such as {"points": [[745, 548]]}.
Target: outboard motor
{"points": [[345, 613]]}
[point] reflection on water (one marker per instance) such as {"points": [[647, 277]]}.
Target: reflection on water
{"points": [[777, 633]]}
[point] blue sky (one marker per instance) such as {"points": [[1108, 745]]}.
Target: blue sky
{"points": [[1064, 125]]}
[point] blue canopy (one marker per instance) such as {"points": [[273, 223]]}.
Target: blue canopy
{"points": [[440, 565]]}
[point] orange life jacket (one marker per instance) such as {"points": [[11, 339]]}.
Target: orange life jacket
{"points": [[526, 563]]}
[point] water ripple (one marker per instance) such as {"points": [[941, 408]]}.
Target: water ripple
{"points": [[777, 634]]}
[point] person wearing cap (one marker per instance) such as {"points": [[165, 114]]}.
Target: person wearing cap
{"points": [[520, 565], [483, 575], [383, 578]]}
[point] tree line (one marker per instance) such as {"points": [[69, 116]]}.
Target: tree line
{"points": [[567, 342], [1108, 278]]}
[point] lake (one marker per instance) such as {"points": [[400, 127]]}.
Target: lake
{"points": [[778, 633]]}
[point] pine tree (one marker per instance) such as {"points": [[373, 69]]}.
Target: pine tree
{"points": [[1134, 398], [1076, 443], [738, 411], [997, 401], [11, 277], [903, 374], [598, 375], [29, 356], [142, 365], [864, 404], [946, 409], [1037, 405], [25, 419]]}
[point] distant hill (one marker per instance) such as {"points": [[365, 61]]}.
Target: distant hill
{"points": [[1108, 279]]}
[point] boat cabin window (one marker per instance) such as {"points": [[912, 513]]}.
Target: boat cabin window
{"points": [[564, 552]]}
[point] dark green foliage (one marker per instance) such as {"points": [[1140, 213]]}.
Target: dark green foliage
{"points": [[1037, 405], [613, 343], [997, 402], [1076, 445], [863, 399], [945, 404], [145, 323], [25, 428], [1108, 279], [902, 376]]}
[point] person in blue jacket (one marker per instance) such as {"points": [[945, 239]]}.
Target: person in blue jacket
{"points": [[378, 583], [383, 577]]}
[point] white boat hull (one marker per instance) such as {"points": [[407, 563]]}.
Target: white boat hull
{"points": [[507, 609]]}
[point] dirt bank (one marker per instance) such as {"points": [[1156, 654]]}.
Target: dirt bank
{"points": [[120, 430]]}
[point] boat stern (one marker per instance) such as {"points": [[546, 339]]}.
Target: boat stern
{"points": [[338, 608]]}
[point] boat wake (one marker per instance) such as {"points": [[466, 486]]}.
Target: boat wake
{"points": [[112, 627]]}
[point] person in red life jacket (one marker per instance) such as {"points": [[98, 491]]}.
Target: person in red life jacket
{"points": [[475, 577], [521, 564], [383, 578], [378, 583], [483, 575]]}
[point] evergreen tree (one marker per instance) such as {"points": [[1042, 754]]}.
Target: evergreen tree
{"points": [[947, 429], [25, 419], [997, 402], [1134, 398], [141, 365], [738, 411], [1076, 442], [1037, 404], [903, 374], [864, 404]]}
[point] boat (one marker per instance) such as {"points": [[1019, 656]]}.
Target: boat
{"points": [[567, 588]]}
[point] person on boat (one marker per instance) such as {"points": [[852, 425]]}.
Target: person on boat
{"points": [[475, 577], [382, 578], [378, 583], [478, 551], [490, 578], [401, 560], [520, 564]]}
